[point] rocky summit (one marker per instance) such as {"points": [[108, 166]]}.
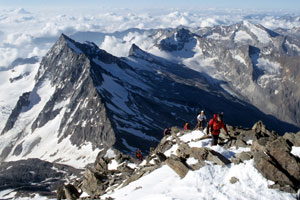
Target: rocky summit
{"points": [[185, 152]]}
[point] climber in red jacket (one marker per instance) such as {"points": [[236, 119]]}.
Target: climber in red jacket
{"points": [[215, 125]]}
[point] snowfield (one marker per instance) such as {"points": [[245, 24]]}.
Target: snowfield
{"points": [[209, 182]]}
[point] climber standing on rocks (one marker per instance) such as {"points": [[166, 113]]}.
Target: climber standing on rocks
{"points": [[201, 118], [214, 127]]}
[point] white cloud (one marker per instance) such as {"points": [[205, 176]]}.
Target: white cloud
{"points": [[19, 27], [121, 46], [7, 55], [18, 39]]}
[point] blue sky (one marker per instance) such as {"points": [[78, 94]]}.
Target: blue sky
{"points": [[286, 5]]}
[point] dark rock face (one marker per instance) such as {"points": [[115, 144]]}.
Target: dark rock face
{"points": [[34, 176], [177, 40], [272, 95], [22, 102], [75, 74]]}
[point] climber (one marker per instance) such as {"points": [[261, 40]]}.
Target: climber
{"points": [[139, 156], [167, 131], [215, 125], [201, 118], [186, 126]]}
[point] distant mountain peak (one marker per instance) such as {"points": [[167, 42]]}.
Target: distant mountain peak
{"points": [[136, 50]]}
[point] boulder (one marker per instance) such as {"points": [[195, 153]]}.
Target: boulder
{"points": [[217, 158], [101, 164], [93, 183], [259, 144], [240, 143], [174, 130], [260, 130], [269, 169], [241, 157], [178, 166], [245, 135], [71, 192], [293, 138], [161, 157], [280, 151], [164, 146], [197, 165], [60, 193], [244, 155], [233, 180], [183, 151], [133, 178], [235, 142], [208, 154], [125, 170], [276, 163], [285, 188]]}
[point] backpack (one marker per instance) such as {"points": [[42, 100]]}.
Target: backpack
{"points": [[167, 131]]}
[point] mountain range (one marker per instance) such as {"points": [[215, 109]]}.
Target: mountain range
{"points": [[82, 99]]}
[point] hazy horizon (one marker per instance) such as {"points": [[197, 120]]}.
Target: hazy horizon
{"points": [[268, 5]]}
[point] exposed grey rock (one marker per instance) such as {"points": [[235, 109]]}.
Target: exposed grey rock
{"points": [[280, 151], [22, 102], [178, 166], [184, 150], [60, 193], [93, 183], [240, 143], [133, 178], [293, 138], [71, 192], [275, 162], [161, 156], [285, 188], [241, 157], [233, 180], [244, 155], [208, 154], [268, 168], [198, 165]]}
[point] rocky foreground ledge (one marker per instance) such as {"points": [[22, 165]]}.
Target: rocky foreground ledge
{"points": [[182, 151]]}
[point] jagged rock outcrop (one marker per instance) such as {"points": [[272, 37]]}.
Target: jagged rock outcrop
{"points": [[273, 159]]}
